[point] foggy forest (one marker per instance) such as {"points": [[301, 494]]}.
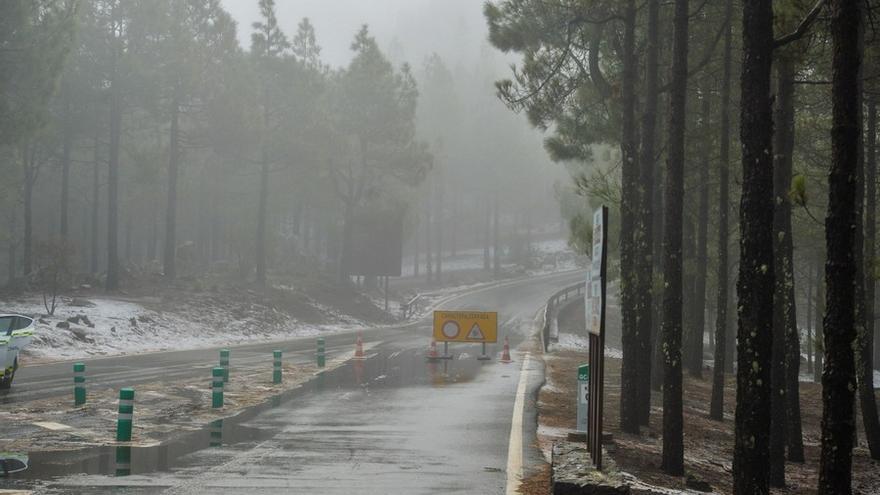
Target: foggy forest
{"points": [[180, 176]]}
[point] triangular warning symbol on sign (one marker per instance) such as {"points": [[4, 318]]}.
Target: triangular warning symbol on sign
{"points": [[475, 333]]}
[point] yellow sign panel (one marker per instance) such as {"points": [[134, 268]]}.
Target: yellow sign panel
{"points": [[465, 326]]}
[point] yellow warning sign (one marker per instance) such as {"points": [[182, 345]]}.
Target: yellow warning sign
{"points": [[465, 326]]}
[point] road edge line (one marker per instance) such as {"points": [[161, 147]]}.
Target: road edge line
{"points": [[515, 443]]}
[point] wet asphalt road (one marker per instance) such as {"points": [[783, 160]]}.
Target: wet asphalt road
{"points": [[394, 423]]}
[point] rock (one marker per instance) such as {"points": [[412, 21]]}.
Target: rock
{"points": [[81, 320], [44, 322], [63, 324], [81, 303], [113, 330], [133, 322], [697, 484], [80, 334], [144, 319]]}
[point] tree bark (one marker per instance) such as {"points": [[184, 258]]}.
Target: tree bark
{"points": [[96, 201], [673, 421], [429, 244], [629, 373], [699, 318], [871, 231], [864, 265], [781, 179], [112, 282], [170, 253], [756, 274], [645, 242], [809, 313], [786, 308], [819, 310], [839, 326], [496, 240], [716, 406], [67, 144], [28, 160]]}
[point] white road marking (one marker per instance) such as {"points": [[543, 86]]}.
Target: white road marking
{"points": [[515, 444], [49, 425]]}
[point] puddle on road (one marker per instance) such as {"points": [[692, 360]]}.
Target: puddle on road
{"points": [[386, 369]]}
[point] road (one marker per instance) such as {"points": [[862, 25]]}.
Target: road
{"points": [[394, 423]]}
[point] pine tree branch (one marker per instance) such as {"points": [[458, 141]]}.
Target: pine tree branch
{"points": [[802, 28]]}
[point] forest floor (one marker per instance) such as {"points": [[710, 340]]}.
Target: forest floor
{"points": [[708, 444]]}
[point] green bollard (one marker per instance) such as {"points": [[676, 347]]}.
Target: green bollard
{"points": [[217, 393], [216, 433], [126, 415], [276, 367], [321, 353], [123, 460], [224, 363], [79, 384]]}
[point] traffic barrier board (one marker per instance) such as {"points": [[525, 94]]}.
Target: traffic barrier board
{"points": [[465, 326]]}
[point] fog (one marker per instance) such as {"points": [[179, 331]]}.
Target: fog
{"points": [[405, 29], [177, 144]]}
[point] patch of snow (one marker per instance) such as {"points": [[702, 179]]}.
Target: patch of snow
{"points": [[571, 342], [127, 327]]}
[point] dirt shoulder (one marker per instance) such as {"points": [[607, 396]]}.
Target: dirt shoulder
{"points": [[163, 409], [708, 444]]}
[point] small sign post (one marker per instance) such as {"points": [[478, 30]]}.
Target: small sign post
{"points": [[583, 397], [595, 322]]}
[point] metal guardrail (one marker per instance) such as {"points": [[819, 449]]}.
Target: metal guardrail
{"points": [[409, 308], [550, 330]]}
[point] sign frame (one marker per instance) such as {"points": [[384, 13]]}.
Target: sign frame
{"points": [[463, 323]]}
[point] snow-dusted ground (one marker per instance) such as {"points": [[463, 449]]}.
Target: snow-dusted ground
{"points": [[572, 342], [124, 327]]}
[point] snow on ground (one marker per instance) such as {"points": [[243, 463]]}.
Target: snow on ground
{"points": [[572, 342], [114, 326]]}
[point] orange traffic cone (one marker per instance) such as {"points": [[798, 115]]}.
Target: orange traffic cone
{"points": [[505, 355], [359, 347], [432, 352]]}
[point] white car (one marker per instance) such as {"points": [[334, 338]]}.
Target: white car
{"points": [[16, 332]]}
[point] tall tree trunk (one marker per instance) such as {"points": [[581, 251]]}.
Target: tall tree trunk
{"points": [[673, 421], [486, 237], [839, 326], [756, 275], [66, 146], [96, 201], [416, 248], [809, 313], [864, 265], [438, 266], [782, 183], [819, 311], [716, 407], [112, 282], [784, 258], [645, 240], [871, 230], [170, 253], [30, 177], [429, 243], [629, 199], [496, 241], [696, 348], [262, 211]]}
